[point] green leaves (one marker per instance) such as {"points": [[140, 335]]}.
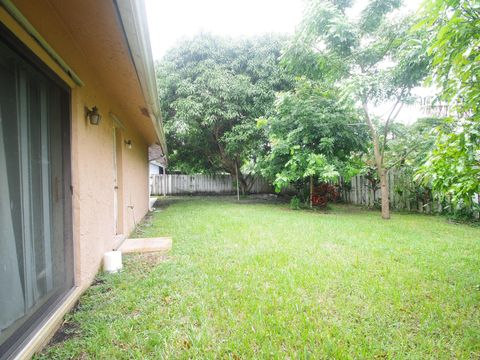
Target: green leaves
{"points": [[311, 133], [454, 44], [365, 58], [302, 165], [453, 166], [375, 12], [212, 90]]}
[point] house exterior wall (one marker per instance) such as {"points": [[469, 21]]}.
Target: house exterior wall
{"points": [[154, 169], [93, 194], [92, 147]]}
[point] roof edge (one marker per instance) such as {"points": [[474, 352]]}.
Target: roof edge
{"points": [[133, 17]]}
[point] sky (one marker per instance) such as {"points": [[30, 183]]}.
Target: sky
{"points": [[171, 20]]}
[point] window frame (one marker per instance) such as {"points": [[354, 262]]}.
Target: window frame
{"points": [[18, 338]]}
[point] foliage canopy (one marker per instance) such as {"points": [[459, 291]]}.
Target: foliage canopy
{"points": [[212, 90], [312, 133], [453, 166]]}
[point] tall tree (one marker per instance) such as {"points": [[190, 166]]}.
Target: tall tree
{"points": [[212, 90], [367, 58]]}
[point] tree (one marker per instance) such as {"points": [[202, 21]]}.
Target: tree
{"points": [[311, 132], [212, 90], [453, 165], [366, 57], [454, 45]]}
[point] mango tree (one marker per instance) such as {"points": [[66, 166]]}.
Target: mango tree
{"points": [[212, 90]]}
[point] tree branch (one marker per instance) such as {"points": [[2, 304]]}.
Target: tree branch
{"points": [[391, 118], [376, 151], [413, 148]]}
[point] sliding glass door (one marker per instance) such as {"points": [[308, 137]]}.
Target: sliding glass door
{"points": [[36, 261]]}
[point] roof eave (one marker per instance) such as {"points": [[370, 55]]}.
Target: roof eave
{"points": [[134, 21]]}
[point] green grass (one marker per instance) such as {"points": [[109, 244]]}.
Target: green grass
{"points": [[263, 281]]}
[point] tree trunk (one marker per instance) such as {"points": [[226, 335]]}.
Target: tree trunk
{"points": [[382, 172], [311, 191], [384, 191], [238, 185], [243, 183]]}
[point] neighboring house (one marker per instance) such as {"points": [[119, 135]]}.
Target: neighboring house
{"points": [[70, 190], [158, 161], [156, 168]]}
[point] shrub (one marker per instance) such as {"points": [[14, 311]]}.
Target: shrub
{"points": [[295, 203]]}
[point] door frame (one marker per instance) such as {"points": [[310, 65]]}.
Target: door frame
{"points": [[118, 201]]}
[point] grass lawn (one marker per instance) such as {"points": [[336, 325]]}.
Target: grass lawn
{"points": [[263, 281]]}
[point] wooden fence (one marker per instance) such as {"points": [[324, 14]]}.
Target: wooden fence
{"points": [[403, 194], [201, 184], [361, 192]]}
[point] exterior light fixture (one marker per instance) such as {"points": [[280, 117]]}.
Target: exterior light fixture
{"points": [[93, 116], [128, 143]]}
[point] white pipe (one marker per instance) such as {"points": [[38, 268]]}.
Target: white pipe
{"points": [[112, 261]]}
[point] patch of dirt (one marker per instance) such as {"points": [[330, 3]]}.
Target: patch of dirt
{"points": [[76, 307], [248, 199], [152, 259], [98, 282], [164, 202], [263, 199], [141, 264], [67, 331], [98, 285]]}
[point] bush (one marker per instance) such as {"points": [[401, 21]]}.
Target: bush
{"points": [[295, 203]]}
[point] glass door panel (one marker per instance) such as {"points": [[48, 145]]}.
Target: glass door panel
{"points": [[36, 261]]}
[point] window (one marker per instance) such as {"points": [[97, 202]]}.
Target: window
{"points": [[36, 255]]}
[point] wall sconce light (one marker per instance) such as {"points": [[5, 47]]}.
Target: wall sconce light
{"points": [[93, 115], [128, 143]]}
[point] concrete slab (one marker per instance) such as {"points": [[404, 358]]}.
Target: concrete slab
{"points": [[143, 245]]}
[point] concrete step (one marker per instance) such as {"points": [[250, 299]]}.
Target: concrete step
{"points": [[143, 245]]}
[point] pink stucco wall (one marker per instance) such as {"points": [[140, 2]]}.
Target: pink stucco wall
{"points": [[93, 183]]}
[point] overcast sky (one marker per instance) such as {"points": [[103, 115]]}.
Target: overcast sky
{"points": [[170, 20]]}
